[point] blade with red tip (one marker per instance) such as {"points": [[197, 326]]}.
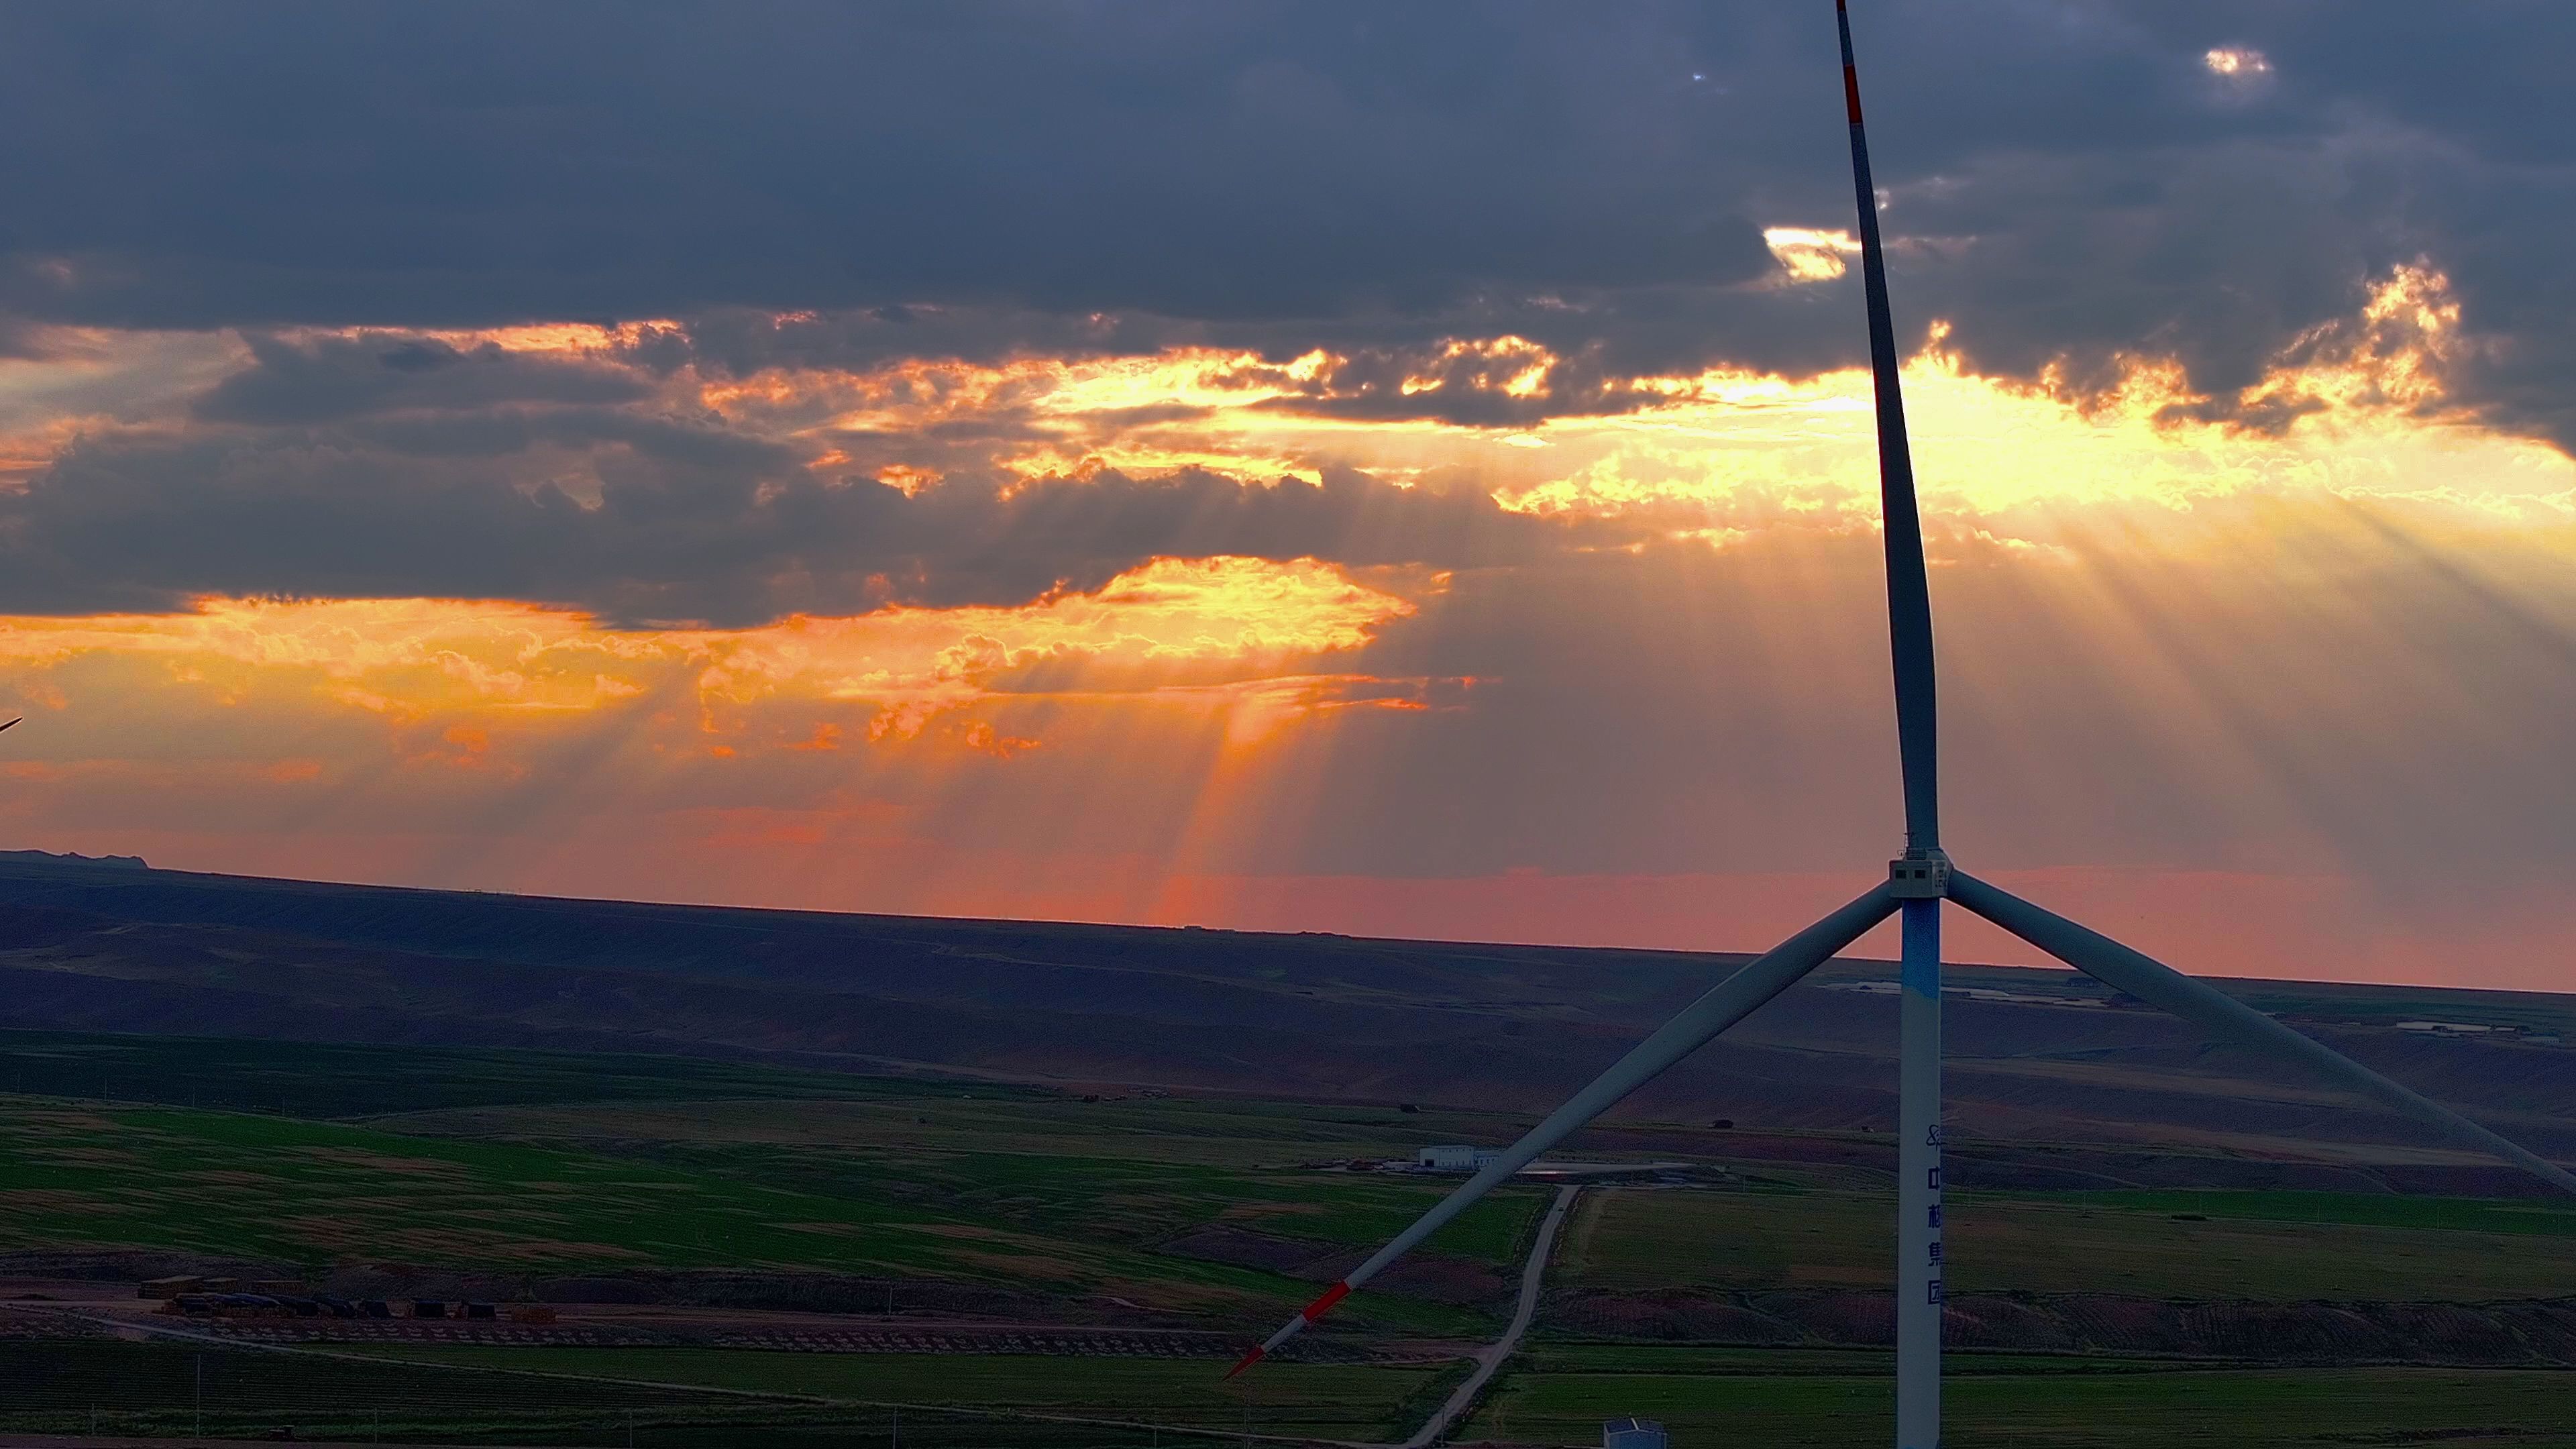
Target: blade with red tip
{"points": [[1324, 1305], [1727, 1003]]}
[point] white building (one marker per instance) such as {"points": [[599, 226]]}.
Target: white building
{"points": [[1454, 1157], [1632, 1434]]}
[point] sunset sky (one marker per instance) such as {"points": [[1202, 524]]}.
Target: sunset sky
{"points": [[1395, 470]]}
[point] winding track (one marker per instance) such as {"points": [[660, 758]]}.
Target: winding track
{"points": [[1490, 1357]]}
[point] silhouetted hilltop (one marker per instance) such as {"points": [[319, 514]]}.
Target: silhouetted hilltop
{"points": [[2034, 1055], [74, 858]]}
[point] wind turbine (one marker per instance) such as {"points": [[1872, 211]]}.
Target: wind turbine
{"points": [[1917, 882]]}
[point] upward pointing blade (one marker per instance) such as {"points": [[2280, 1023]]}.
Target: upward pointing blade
{"points": [[1909, 594], [1723, 1005]]}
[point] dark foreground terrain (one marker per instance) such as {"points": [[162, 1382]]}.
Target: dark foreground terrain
{"points": [[786, 1178]]}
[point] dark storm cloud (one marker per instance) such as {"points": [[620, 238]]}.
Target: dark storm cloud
{"points": [[738, 342], [838, 187], [392, 464], [338, 377], [2115, 194], [688, 525], [462, 163], [1356, 170]]}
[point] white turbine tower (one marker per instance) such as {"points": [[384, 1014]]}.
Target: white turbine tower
{"points": [[1917, 882]]}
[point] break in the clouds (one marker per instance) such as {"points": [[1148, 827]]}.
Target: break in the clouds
{"points": [[1388, 467]]}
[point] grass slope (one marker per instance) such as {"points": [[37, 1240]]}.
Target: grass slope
{"points": [[319, 1192], [653, 1397], [1327, 1400], [2255, 1409], [321, 1079], [1136, 1170], [2281, 1246]]}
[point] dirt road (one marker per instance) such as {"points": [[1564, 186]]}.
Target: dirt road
{"points": [[1491, 1356]]}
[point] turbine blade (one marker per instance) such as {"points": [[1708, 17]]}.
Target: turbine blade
{"points": [[12, 722], [1909, 592], [1725, 1004], [2152, 981]]}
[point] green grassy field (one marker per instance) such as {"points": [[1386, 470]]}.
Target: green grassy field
{"points": [[549, 1397], [2546, 1217], [2249, 1245], [2253, 1409], [1325, 1400], [75, 1385], [310, 1079], [1136, 1170], [315, 1193], [537, 1164], [1214, 1132], [1047, 1166], [1544, 1357]]}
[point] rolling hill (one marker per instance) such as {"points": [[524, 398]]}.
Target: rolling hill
{"points": [[2068, 1086]]}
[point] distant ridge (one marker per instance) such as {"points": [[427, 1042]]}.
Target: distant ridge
{"points": [[90, 945], [74, 857]]}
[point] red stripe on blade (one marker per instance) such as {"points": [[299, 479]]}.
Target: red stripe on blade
{"points": [[1324, 1305], [1247, 1361], [1851, 93]]}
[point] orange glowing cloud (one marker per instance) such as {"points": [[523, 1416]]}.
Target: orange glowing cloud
{"points": [[1172, 623], [2355, 409]]}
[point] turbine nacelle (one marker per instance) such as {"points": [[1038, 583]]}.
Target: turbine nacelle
{"points": [[1919, 875]]}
